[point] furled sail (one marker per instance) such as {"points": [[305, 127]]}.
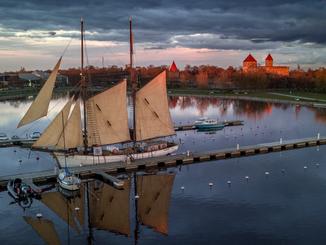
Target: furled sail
{"points": [[154, 198], [71, 136], [53, 132], [107, 116], [45, 229], [40, 105], [109, 207], [153, 117]]}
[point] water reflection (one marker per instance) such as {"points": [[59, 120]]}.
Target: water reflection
{"points": [[99, 206]]}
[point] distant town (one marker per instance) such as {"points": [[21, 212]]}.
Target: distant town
{"points": [[249, 76]]}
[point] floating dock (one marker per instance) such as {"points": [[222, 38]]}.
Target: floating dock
{"points": [[86, 172]]}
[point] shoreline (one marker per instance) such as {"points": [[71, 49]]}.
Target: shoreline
{"points": [[261, 96]]}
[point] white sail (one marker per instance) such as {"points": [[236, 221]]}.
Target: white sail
{"points": [[153, 117], [39, 107], [53, 132], [72, 136], [107, 116], [45, 229], [154, 199]]}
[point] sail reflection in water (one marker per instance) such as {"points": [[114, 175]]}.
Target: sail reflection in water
{"points": [[154, 198], [109, 207], [45, 229], [99, 206]]}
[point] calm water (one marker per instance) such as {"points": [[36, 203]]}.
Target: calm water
{"points": [[288, 206]]}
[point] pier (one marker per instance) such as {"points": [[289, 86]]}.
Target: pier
{"points": [[87, 172]]}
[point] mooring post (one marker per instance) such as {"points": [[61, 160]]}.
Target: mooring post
{"points": [[281, 140], [238, 147], [318, 136]]}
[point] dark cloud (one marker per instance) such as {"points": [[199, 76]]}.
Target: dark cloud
{"points": [[237, 24]]}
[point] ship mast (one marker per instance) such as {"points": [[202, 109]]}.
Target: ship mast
{"points": [[133, 83], [83, 82]]}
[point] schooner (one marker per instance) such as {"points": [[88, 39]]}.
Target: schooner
{"points": [[78, 140]]}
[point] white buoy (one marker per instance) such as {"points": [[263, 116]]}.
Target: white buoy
{"points": [[229, 182], [39, 215], [266, 173], [305, 167], [247, 178], [136, 197], [317, 165], [210, 184], [76, 209], [182, 188]]}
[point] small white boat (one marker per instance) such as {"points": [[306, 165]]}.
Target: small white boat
{"points": [[68, 181]]}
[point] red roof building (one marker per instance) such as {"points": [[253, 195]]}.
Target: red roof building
{"points": [[269, 60], [173, 67], [250, 58], [249, 64]]}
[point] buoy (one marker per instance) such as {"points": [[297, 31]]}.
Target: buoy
{"points": [[136, 197], [14, 150], [39, 215], [229, 182], [266, 173], [210, 184], [20, 160], [37, 158], [283, 170], [77, 209], [305, 167], [182, 188], [317, 165], [247, 178]]}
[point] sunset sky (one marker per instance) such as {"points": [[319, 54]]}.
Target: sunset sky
{"points": [[33, 34]]}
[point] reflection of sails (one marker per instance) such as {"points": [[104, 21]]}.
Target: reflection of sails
{"points": [[109, 207], [45, 229], [154, 197], [66, 209]]}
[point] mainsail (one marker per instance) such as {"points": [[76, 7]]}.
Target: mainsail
{"points": [[71, 136], [153, 118], [107, 116], [53, 132], [40, 105], [154, 198], [109, 207], [45, 229]]}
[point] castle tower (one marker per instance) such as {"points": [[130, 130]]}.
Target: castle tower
{"points": [[249, 64], [269, 61]]}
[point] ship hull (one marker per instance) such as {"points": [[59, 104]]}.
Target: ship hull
{"points": [[77, 160]]}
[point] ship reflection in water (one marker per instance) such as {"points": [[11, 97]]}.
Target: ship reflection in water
{"points": [[144, 200]]}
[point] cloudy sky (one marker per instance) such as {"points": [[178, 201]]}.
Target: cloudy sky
{"points": [[34, 33]]}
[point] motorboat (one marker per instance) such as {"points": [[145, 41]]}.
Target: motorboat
{"points": [[206, 124]]}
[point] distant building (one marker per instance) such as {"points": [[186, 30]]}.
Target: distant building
{"points": [[250, 66], [173, 67]]}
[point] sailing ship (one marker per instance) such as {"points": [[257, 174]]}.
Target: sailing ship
{"points": [[105, 120]]}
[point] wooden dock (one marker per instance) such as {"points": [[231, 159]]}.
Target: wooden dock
{"points": [[86, 172]]}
